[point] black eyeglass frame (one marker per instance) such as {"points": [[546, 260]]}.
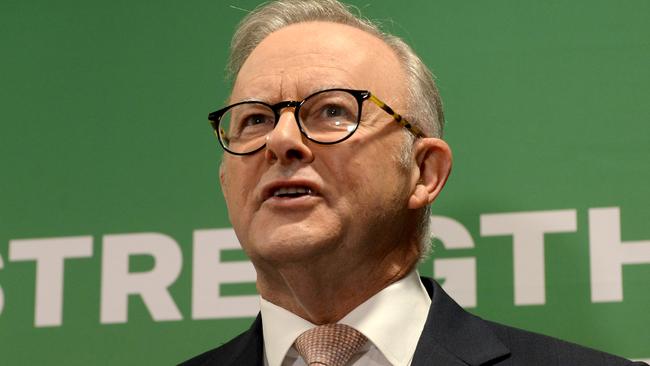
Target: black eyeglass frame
{"points": [[359, 95]]}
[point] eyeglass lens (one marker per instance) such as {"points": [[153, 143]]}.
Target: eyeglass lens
{"points": [[325, 117]]}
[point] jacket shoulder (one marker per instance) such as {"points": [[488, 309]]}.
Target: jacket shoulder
{"points": [[245, 349], [221, 355], [533, 348]]}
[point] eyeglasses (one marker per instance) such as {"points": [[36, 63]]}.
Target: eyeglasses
{"points": [[325, 117]]}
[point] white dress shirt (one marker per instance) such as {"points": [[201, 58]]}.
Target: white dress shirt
{"points": [[392, 320]]}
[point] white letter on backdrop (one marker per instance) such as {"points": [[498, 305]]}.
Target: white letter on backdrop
{"points": [[209, 272], [49, 254], [459, 273], [608, 254], [118, 283], [527, 230]]}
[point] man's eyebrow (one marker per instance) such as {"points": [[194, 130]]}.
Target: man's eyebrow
{"points": [[308, 93], [328, 86], [229, 100], [252, 99]]}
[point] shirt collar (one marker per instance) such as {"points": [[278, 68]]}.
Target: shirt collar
{"points": [[280, 328], [401, 308]]}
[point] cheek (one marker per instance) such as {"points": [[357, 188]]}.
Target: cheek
{"points": [[379, 180], [233, 187], [363, 181], [237, 174]]}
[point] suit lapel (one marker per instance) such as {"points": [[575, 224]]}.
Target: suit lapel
{"points": [[452, 336], [250, 349]]}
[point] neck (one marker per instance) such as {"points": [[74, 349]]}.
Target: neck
{"points": [[323, 293]]}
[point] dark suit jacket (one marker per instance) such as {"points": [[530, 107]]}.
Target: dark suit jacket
{"points": [[451, 336]]}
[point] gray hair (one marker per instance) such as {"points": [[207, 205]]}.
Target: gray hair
{"points": [[424, 108]]}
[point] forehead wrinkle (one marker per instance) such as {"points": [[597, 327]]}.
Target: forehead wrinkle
{"points": [[304, 82], [282, 73]]}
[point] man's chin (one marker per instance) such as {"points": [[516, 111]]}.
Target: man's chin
{"points": [[292, 245]]}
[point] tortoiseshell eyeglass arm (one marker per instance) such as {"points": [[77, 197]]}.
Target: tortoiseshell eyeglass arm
{"points": [[398, 118]]}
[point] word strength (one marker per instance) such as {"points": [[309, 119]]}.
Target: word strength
{"points": [[526, 232]]}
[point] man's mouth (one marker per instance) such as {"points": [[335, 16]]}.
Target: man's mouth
{"points": [[291, 192]]}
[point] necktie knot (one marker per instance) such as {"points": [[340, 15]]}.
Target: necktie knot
{"points": [[329, 344]]}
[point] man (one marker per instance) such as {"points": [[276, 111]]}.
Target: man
{"points": [[328, 190]]}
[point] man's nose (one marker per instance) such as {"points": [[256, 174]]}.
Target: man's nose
{"points": [[286, 143]]}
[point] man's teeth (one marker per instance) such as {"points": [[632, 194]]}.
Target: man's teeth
{"points": [[291, 191]]}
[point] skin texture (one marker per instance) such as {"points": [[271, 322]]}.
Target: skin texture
{"points": [[322, 255]]}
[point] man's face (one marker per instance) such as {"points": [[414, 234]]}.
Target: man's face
{"points": [[357, 194]]}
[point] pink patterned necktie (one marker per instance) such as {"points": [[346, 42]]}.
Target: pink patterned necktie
{"points": [[329, 344]]}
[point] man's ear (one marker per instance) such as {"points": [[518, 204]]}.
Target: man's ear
{"points": [[433, 165]]}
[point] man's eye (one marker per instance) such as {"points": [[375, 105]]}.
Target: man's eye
{"points": [[253, 120], [253, 124], [334, 111]]}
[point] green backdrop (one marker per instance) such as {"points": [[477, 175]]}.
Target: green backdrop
{"points": [[103, 133]]}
